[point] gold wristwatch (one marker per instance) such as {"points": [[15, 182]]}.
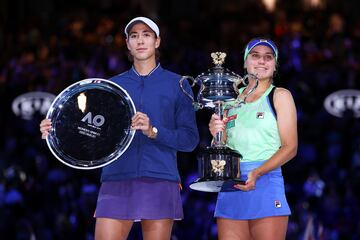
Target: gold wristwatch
{"points": [[153, 133]]}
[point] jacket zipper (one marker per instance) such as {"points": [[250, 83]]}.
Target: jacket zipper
{"points": [[142, 78]]}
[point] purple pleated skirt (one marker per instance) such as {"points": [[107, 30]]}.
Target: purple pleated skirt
{"points": [[141, 198]]}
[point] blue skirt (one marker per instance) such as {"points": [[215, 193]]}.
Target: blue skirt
{"points": [[266, 200], [141, 198]]}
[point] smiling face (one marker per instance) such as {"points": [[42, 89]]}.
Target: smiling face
{"points": [[142, 42], [261, 62]]}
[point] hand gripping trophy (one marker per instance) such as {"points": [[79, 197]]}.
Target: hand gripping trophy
{"points": [[219, 90]]}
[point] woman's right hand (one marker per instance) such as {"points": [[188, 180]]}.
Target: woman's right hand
{"points": [[45, 126], [216, 125]]}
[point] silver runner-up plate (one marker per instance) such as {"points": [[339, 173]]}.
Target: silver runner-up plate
{"points": [[91, 124]]}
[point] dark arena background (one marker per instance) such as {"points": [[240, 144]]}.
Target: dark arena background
{"points": [[46, 45]]}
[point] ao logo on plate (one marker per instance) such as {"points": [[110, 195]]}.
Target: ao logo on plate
{"points": [[97, 120]]}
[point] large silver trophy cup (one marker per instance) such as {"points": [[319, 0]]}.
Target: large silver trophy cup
{"points": [[219, 90]]}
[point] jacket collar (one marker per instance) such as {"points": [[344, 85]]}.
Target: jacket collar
{"points": [[133, 71]]}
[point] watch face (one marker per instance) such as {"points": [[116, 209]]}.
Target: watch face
{"points": [[91, 124], [155, 130]]}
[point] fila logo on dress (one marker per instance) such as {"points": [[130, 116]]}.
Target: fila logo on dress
{"points": [[277, 204], [260, 115]]}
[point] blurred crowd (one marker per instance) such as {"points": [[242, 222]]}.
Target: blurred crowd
{"points": [[48, 45]]}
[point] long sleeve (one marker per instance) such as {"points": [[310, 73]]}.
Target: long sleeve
{"points": [[185, 136]]}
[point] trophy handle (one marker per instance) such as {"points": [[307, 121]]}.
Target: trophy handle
{"points": [[250, 88], [236, 85], [193, 82], [252, 85]]}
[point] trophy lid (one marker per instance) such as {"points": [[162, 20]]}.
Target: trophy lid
{"points": [[218, 82], [218, 72]]}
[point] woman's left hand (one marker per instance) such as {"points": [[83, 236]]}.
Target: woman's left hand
{"points": [[250, 183], [141, 121]]}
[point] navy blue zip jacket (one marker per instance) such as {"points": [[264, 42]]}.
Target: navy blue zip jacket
{"points": [[160, 97]]}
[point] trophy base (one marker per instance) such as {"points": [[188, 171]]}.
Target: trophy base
{"points": [[216, 165], [205, 185]]}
